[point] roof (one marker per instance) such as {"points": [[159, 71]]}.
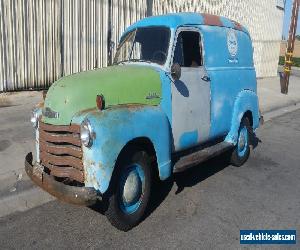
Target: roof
{"points": [[187, 18]]}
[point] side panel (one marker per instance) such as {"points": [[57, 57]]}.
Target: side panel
{"points": [[229, 64], [114, 128]]}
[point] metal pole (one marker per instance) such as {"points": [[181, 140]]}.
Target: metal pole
{"points": [[285, 77]]}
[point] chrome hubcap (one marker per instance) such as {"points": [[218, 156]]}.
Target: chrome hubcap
{"points": [[132, 188], [242, 141]]}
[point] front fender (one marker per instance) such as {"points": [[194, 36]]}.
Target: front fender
{"points": [[246, 100], [114, 128]]}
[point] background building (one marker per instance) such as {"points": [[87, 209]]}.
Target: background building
{"points": [[42, 40]]}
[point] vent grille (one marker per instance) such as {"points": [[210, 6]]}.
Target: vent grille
{"points": [[60, 151]]}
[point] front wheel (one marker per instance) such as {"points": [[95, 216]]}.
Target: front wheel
{"points": [[131, 189], [241, 152]]}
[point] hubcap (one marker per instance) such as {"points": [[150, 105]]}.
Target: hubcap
{"points": [[243, 142], [131, 188]]}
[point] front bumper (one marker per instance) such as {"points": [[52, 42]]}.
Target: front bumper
{"points": [[85, 196]]}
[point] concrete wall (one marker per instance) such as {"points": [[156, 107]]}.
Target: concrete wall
{"points": [[42, 40]]}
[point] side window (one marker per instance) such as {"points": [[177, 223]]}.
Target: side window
{"points": [[188, 52]]}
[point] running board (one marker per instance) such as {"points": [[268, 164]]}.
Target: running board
{"points": [[197, 157]]}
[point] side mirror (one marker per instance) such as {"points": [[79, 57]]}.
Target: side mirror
{"points": [[176, 71]]}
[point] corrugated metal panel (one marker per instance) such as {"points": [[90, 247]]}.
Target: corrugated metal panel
{"points": [[125, 13], [41, 40], [29, 43], [84, 29]]}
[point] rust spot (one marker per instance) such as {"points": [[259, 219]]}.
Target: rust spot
{"points": [[40, 105], [86, 111], [61, 160], [67, 172], [58, 138], [71, 194], [59, 128], [129, 106], [237, 25], [212, 20], [60, 151]]}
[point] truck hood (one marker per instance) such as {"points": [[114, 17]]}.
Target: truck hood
{"points": [[118, 85]]}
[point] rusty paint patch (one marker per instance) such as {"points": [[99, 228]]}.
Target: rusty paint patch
{"points": [[57, 128], [71, 194], [212, 20], [59, 138], [60, 151], [61, 160], [237, 25], [40, 105]]}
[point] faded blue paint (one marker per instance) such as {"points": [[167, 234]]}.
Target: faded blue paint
{"points": [[174, 20], [228, 75], [188, 139], [246, 100], [114, 128]]}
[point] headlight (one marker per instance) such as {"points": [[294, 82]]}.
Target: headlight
{"points": [[86, 134], [34, 118]]}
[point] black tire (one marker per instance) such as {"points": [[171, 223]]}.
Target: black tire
{"points": [[114, 213], [238, 157]]}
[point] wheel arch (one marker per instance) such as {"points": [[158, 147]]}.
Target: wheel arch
{"points": [[245, 105], [143, 143], [249, 115]]}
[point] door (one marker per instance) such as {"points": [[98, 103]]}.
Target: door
{"points": [[191, 93]]}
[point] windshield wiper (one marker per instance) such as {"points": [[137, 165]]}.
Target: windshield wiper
{"points": [[133, 60], [140, 60]]}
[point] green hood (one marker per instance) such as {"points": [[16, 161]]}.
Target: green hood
{"points": [[118, 84]]}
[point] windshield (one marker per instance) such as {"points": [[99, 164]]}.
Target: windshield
{"points": [[144, 44]]}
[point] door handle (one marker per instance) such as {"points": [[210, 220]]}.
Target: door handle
{"points": [[205, 78]]}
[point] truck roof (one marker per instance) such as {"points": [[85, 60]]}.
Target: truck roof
{"points": [[188, 18]]}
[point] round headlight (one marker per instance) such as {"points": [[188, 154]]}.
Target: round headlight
{"points": [[86, 134], [34, 118]]}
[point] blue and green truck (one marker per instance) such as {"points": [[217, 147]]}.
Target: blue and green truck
{"points": [[182, 89]]}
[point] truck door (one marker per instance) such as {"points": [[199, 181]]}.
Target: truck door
{"points": [[191, 93]]}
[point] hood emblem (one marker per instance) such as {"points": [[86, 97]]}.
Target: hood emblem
{"points": [[49, 113], [152, 95]]}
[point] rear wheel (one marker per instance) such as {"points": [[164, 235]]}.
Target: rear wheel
{"points": [[241, 152], [130, 190]]}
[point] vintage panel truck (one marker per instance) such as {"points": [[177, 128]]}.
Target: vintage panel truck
{"points": [[182, 89]]}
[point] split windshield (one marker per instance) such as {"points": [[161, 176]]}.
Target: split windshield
{"points": [[144, 45]]}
